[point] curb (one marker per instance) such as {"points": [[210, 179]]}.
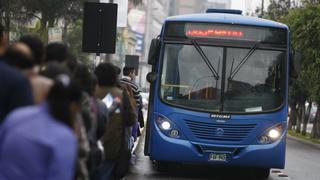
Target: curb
{"points": [[317, 146], [142, 131]]}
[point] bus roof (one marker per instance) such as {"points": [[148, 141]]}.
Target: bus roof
{"points": [[227, 19]]}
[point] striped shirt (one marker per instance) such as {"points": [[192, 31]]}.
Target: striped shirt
{"points": [[135, 89]]}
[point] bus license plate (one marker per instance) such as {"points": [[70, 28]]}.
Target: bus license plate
{"points": [[217, 157]]}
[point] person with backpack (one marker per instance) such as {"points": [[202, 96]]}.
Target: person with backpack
{"points": [[121, 115], [128, 79]]}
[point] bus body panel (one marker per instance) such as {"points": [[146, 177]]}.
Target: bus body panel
{"points": [[188, 150], [167, 149]]}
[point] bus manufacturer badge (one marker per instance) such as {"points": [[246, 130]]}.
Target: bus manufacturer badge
{"points": [[220, 132], [220, 116]]}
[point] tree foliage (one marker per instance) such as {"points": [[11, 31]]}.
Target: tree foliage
{"points": [[278, 9], [304, 24]]}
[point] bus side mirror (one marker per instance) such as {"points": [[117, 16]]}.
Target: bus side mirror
{"points": [[295, 64], [154, 51], [151, 77]]}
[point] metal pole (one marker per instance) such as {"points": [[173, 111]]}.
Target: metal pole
{"points": [[148, 27], [97, 60], [108, 56]]}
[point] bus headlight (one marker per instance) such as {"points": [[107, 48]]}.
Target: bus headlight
{"points": [[168, 128], [271, 135], [274, 133], [165, 125]]}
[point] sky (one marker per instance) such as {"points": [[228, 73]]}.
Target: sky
{"points": [[248, 5]]}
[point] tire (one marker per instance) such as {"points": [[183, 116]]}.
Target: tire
{"points": [[262, 173], [162, 166]]}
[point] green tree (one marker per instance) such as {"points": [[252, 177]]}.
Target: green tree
{"points": [[49, 11], [276, 10], [11, 10], [304, 23], [75, 43]]}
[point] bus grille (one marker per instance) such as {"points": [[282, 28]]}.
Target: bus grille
{"points": [[220, 132]]}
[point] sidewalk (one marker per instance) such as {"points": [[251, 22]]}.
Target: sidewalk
{"points": [[309, 127], [303, 141], [137, 143]]}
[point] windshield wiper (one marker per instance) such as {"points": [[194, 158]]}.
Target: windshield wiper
{"points": [[205, 59], [234, 72]]}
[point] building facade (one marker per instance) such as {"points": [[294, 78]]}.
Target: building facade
{"points": [[159, 10], [179, 7]]}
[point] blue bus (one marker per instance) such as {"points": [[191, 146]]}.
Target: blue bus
{"points": [[219, 91]]}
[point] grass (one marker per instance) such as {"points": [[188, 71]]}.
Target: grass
{"points": [[306, 137]]}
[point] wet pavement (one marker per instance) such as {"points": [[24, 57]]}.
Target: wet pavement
{"points": [[299, 157]]}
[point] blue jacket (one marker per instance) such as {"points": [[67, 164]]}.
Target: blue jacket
{"points": [[33, 145]]}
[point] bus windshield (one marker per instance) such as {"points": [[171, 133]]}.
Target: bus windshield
{"points": [[251, 79]]}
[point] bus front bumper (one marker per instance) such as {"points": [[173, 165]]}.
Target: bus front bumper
{"points": [[168, 149]]}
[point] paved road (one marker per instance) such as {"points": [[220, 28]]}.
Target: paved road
{"points": [[303, 163]]}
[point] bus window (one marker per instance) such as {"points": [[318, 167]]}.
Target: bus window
{"points": [[187, 80], [256, 84]]}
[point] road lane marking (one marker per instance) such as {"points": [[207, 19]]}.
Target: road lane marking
{"points": [[279, 174]]}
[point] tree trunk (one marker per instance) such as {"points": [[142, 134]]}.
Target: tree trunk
{"points": [[65, 31], [316, 126], [292, 117], [7, 21], [1, 15], [43, 30], [306, 119], [7, 18], [299, 120]]}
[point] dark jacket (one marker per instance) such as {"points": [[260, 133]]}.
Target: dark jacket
{"points": [[114, 138], [15, 90]]}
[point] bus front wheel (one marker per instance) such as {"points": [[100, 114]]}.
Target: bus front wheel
{"points": [[262, 173]]}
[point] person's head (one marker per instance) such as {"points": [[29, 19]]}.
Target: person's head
{"points": [[3, 41], [72, 62], [64, 99], [118, 70], [20, 56], [129, 71], [56, 52], [54, 69], [36, 46], [107, 74], [84, 78]]}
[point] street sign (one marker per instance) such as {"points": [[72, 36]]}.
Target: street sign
{"points": [[55, 34], [122, 11], [99, 27]]}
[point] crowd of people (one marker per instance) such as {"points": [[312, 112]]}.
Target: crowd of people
{"points": [[60, 119]]}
